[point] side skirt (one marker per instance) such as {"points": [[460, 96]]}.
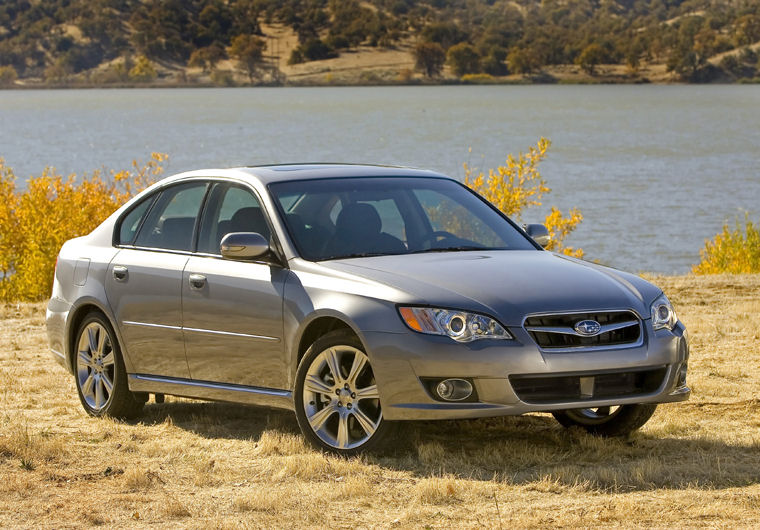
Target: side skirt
{"points": [[270, 397]]}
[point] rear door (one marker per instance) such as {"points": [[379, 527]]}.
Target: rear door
{"points": [[232, 310], [144, 280]]}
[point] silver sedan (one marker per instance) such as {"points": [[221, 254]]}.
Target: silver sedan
{"points": [[357, 296]]}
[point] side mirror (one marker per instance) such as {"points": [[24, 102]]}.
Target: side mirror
{"points": [[539, 234], [243, 245]]}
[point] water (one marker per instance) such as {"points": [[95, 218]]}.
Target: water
{"points": [[655, 169]]}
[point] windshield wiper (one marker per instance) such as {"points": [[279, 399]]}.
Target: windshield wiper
{"points": [[359, 255], [452, 249]]}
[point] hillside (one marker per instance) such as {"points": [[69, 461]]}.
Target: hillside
{"points": [[100, 42]]}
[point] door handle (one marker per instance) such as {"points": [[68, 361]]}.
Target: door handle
{"points": [[197, 281], [120, 273]]}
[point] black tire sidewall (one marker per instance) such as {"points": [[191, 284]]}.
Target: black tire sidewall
{"points": [[629, 419]]}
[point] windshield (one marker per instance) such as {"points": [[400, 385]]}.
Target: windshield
{"points": [[369, 216]]}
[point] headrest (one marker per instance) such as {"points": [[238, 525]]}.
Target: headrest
{"points": [[249, 219], [358, 220]]}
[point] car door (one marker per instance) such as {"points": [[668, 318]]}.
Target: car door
{"points": [[232, 310], [144, 280]]}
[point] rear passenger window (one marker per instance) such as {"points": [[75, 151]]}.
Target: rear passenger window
{"points": [[131, 222], [230, 208], [171, 222]]}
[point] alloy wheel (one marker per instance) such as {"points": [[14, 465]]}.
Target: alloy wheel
{"points": [[340, 397], [96, 366]]}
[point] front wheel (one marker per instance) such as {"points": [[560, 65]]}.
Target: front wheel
{"points": [[607, 421], [336, 397], [101, 378]]}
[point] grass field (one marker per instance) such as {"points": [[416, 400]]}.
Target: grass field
{"points": [[217, 465]]}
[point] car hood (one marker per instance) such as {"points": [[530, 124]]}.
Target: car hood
{"points": [[506, 284]]}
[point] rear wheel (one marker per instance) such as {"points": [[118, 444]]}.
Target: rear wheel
{"points": [[100, 375], [336, 397], [608, 421]]}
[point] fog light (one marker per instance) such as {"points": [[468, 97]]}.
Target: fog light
{"points": [[454, 389]]}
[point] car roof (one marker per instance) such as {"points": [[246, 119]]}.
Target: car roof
{"points": [[307, 171]]}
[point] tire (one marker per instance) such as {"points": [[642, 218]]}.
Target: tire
{"points": [[607, 421], [340, 414], [99, 372]]}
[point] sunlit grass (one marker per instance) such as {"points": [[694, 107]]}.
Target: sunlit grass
{"points": [[218, 465]]}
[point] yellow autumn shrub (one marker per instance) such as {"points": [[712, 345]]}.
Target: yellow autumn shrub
{"points": [[36, 221], [518, 185], [734, 251]]}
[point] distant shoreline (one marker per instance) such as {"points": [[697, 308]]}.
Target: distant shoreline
{"points": [[563, 75], [378, 83]]}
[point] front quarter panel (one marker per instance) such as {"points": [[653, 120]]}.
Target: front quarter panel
{"points": [[364, 306]]}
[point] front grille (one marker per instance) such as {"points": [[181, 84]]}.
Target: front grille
{"points": [[540, 389], [618, 328]]}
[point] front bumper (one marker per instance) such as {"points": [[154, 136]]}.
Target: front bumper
{"points": [[402, 361]]}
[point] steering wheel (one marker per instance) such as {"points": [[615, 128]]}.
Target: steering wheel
{"points": [[434, 237]]}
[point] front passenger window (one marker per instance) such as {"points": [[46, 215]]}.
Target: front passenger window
{"points": [[171, 222], [230, 208]]}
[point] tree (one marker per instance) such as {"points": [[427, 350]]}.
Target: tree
{"points": [[429, 58], [687, 55], [592, 55], [206, 58], [463, 59], [8, 75], [446, 34], [143, 70], [249, 51], [748, 29], [522, 61], [632, 61], [58, 72], [494, 62]]}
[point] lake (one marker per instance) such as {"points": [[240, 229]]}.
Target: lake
{"points": [[655, 170]]}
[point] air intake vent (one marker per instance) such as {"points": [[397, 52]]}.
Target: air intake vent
{"points": [[554, 389]]}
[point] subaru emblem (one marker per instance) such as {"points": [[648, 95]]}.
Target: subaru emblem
{"points": [[588, 328]]}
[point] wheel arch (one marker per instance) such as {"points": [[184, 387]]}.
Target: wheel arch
{"points": [[76, 315], [315, 327]]}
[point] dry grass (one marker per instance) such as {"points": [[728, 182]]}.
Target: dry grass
{"points": [[194, 464]]}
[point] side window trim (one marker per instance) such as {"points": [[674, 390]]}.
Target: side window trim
{"points": [[199, 217], [210, 207]]}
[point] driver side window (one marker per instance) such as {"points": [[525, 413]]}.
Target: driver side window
{"points": [[447, 216]]}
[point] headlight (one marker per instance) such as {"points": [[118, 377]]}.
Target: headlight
{"points": [[459, 325], [663, 314]]}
